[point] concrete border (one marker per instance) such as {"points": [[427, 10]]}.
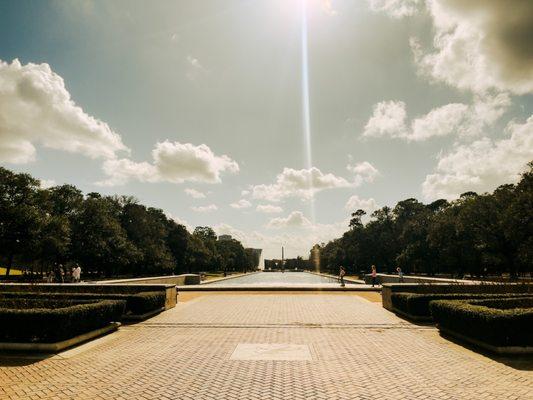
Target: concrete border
{"points": [[394, 278], [349, 280], [182, 279], [142, 317], [495, 349], [225, 278], [301, 288], [410, 317], [59, 346]]}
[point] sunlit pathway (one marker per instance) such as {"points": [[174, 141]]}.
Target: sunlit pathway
{"points": [[349, 349]]}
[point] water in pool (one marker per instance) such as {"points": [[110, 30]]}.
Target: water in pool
{"points": [[273, 278]]}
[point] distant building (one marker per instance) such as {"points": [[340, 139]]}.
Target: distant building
{"points": [[315, 257], [224, 237], [255, 255]]}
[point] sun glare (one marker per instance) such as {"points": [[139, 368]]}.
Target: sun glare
{"points": [[306, 118]]}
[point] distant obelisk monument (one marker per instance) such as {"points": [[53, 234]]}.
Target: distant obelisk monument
{"points": [[282, 259]]}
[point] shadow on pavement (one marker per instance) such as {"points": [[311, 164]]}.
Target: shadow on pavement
{"points": [[522, 362], [17, 359]]}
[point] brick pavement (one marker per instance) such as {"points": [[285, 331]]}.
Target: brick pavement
{"points": [[359, 351]]}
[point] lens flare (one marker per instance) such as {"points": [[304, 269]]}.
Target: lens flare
{"points": [[306, 119]]}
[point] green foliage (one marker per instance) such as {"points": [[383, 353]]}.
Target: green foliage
{"points": [[417, 305], [106, 235], [490, 233], [49, 321], [502, 322]]}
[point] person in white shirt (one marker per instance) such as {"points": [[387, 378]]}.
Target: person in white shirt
{"points": [[76, 273]]}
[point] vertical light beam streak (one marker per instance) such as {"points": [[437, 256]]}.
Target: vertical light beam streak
{"points": [[305, 105]]}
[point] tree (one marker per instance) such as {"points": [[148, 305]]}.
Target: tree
{"points": [[99, 242], [147, 229], [20, 217], [473, 234], [177, 242]]}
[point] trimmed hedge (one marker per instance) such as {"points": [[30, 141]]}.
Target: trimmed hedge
{"points": [[482, 288], [505, 304], [136, 304], [143, 302], [81, 288], [497, 322], [27, 303], [49, 321], [417, 305]]}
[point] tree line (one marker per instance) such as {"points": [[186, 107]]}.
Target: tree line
{"points": [[41, 229], [476, 234]]}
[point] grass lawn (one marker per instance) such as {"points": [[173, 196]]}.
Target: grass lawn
{"points": [[12, 272]]}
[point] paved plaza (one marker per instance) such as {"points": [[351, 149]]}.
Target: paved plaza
{"points": [[269, 346]]}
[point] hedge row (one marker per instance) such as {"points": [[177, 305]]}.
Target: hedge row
{"points": [[49, 321], [33, 303], [81, 288], [136, 304], [497, 322], [417, 305], [482, 288]]}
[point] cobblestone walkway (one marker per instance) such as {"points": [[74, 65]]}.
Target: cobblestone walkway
{"points": [[359, 351]]}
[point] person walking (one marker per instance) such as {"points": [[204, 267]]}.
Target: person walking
{"points": [[374, 275], [400, 274], [76, 273], [342, 272]]}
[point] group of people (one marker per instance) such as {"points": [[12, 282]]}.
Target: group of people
{"points": [[60, 274], [373, 275]]}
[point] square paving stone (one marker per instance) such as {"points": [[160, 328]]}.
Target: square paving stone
{"points": [[271, 351]]}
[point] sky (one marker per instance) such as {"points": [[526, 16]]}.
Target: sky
{"points": [[268, 120]]}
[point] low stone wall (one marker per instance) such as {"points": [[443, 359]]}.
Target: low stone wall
{"points": [[179, 280], [336, 277], [389, 278], [170, 290], [457, 287]]}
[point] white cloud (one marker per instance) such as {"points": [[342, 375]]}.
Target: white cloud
{"points": [[268, 209], [396, 8], [295, 219], [295, 245], [242, 203], [303, 183], [355, 203], [363, 171], [205, 209], [454, 118], [482, 165], [388, 119], [195, 69], [47, 183], [36, 109], [172, 162], [179, 221], [480, 45], [327, 7], [440, 121], [195, 194]]}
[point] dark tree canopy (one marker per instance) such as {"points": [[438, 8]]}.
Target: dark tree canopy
{"points": [[41, 229], [477, 234]]}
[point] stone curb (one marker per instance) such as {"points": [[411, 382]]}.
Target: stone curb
{"points": [[356, 281], [227, 278], [141, 317], [314, 288]]}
